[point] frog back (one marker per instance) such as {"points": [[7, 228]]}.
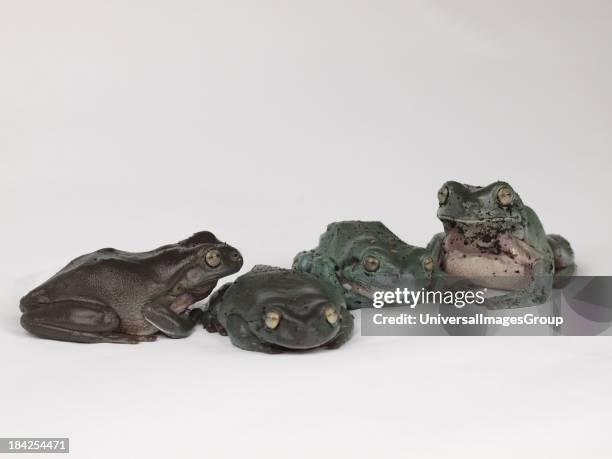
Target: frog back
{"points": [[114, 277], [346, 240]]}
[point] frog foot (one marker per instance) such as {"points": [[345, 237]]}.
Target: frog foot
{"points": [[514, 300], [146, 338]]}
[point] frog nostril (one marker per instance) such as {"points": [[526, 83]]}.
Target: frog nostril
{"points": [[235, 256]]}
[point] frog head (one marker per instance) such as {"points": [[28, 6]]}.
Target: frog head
{"points": [[294, 311], [209, 261], [385, 264], [489, 209]]}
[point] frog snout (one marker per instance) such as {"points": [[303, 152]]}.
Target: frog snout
{"points": [[235, 259]]}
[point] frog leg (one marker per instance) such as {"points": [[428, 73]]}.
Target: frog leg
{"points": [[77, 321], [565, 266], [563, 276], [303, 261], [537, 292], [241, 336], [323, 267], [435, 248], [170, 323], [209, 318], [439, 279], [320, 266], [346, 330]]}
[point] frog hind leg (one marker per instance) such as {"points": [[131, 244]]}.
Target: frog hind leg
{"points": [[346, 330], [303, 261], [318, 265], [537, 292], [565, 265], [241, 336], [324, 268], [79, 322]]}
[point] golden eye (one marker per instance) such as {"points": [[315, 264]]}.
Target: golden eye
{"points": [[331, 315], [428, 264], [213, 258], [443, 194], [505, 196], [272, 319], [371, 264]]}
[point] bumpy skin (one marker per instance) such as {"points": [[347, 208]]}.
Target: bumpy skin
{"points": [[492, 239], [341, 257], [300, 299], [111, 296]]}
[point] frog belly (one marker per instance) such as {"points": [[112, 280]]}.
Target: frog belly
{"points": [[503, 262], [500, 272]]}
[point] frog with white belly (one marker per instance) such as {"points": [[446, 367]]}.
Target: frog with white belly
{"points": [[494, 240]]}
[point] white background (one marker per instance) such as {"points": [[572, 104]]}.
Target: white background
{"points": [[136, 123]]}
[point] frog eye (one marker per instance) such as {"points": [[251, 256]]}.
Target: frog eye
{"points": [[371, 264], [428, 264], [331, 315], [272, 319], [443, 195], [505, 196], [213, 258]]}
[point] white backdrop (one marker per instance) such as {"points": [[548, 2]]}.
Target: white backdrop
{"points": [[136, 123]]}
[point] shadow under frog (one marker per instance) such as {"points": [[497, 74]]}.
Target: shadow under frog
{"points": [[492, 239], [112, 296], [360, 258], [274, 310]]}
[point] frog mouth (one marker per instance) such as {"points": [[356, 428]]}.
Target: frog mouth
{"points": [[358, 287], [296, 339]]}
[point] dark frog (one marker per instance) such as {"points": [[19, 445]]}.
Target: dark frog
{"points": [[112, 296], [274, 310], [493, 240], [361, 258]]}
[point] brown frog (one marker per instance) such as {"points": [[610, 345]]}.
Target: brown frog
{"points": [[112, 296]]}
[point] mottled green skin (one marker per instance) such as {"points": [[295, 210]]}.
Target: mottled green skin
{"points": [[499, 246], [339, 260], [238, 309], [112, 296]]}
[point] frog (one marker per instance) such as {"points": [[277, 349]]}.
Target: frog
{"points": [[274, 310], [493, 240], [359, 258], [114, 296]]}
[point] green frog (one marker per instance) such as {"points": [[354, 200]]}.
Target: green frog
{"points": [[112, 296], [276, 310], [360, 258], [493, 240]]}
